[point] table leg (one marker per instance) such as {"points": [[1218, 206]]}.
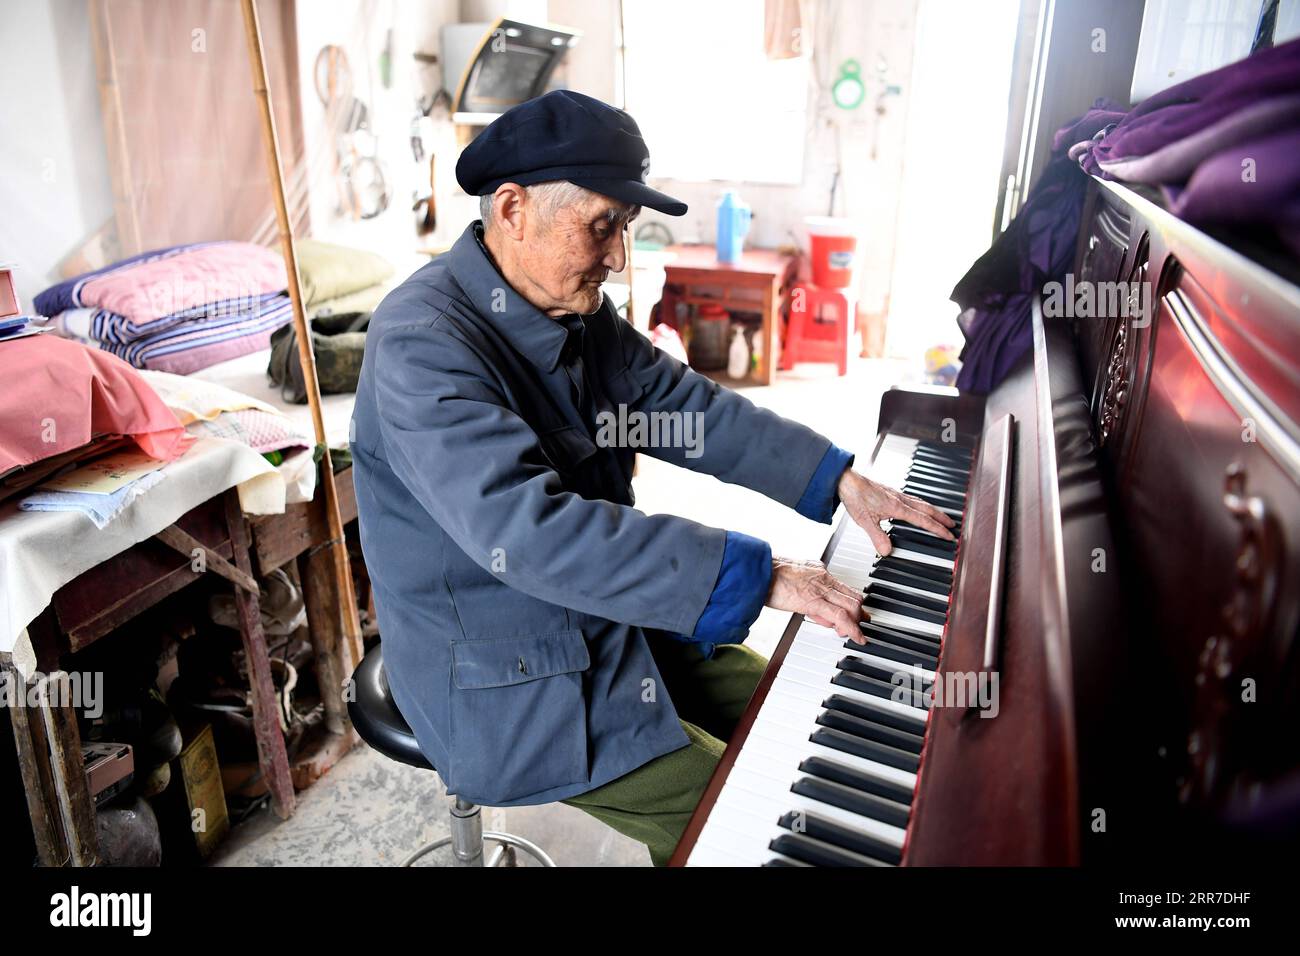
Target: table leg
{"points": [[271, 755], [769, 331], [34, 766], [325, 625], [67, 769]]}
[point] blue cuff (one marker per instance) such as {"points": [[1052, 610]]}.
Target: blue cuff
{"points": [[743, 582], [820, 498]]}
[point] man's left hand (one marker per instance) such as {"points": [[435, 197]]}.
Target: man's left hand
{"points": [[870, 503]]}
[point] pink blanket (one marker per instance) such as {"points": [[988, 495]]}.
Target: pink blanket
{"points": [[212, 273], [59, 394]]}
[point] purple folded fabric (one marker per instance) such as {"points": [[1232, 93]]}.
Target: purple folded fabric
{"points": [[1223, 148]]}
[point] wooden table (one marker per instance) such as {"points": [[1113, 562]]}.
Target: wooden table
{"points": [[759, 283], [112, 593]]}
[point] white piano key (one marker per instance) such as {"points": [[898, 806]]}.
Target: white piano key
{"points": [[756, 793]]}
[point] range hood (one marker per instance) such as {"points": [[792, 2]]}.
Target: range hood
{"points": [[497, 65]]}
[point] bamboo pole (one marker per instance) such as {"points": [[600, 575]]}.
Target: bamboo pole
{"points": [[338, 545]]}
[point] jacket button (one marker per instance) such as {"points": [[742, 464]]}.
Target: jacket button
{"points": [[523, 668]]}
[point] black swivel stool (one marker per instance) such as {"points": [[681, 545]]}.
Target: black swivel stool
{"points": [[382, 726]]}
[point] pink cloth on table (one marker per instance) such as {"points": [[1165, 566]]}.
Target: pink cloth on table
{"points": [[58, 395], [213, 273]]}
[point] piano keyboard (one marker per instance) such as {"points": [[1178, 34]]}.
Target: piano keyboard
{"points": [[826, 774]]}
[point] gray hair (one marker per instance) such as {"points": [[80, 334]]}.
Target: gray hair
{"points": [[551, 196]]}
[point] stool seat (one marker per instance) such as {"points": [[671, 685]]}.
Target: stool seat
{"points": [[376, 717]]}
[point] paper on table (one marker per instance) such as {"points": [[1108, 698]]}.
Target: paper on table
{"points": [[103, 476]]}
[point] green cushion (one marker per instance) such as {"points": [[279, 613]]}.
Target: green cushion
{"points": [[329, 271]]}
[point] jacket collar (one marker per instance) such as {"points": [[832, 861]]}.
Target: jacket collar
{"points": [[535, 335]]}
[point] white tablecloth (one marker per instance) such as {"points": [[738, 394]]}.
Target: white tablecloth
{"points": [[42, 551]]}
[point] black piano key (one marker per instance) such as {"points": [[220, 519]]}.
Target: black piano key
{"points": [[877, 602], [828, 831], [854, 801], [902, 694], [780, 861], [857, 727], [935, 496], [939, 473], [920, 547], [917, 568], [953, 488], [818, 853], [956, 466], [922, 537], [900, 523], [947, 447], [901, 637], [949, 452], [847, 776], [949, 510], [890, 652], [856, 665], [911, 580], [850, 706], [939, 461], [907, 597]]}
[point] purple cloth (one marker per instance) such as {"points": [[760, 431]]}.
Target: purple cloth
{"points": [[1038, 246], [1194, 140]]}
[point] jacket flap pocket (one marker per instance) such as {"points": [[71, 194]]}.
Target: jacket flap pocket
{"points": [[567, 446], [624, 388], [515, 660]]}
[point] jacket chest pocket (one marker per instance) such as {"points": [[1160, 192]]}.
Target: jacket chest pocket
{"points": [[518, 716], [567, 448]]}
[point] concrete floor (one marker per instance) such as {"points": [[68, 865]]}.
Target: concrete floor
{"points": [[372, 811]]}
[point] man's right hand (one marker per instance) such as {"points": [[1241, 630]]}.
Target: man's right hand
{"points": [[807, 588]]}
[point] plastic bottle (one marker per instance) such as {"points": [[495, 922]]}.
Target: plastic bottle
{"points": [[733, 225], [738, 357]]}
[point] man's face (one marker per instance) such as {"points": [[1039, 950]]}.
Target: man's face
{"points": [[568, 257]]}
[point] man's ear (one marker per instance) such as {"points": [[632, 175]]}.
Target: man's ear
{"points": [[509, 206]]}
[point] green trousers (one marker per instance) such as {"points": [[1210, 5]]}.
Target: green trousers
{"points": [[654, 802]]}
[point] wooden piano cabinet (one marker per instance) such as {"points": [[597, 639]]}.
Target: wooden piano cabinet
{"points": [[1203, 460]]}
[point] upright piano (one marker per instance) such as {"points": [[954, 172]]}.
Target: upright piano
{"points": [[1104, 667]]}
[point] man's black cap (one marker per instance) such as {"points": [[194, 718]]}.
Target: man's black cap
{"points": [[569, 136]]}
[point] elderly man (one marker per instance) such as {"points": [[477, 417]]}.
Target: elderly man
{"points": [[544, 639]]}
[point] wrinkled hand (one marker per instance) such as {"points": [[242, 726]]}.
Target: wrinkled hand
{"points": [[807, 588], [870, 503]]}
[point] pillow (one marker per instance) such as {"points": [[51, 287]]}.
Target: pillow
{"points": [[328, 271]]}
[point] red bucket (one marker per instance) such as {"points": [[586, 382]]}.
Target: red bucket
{"points": [[834, 249]]}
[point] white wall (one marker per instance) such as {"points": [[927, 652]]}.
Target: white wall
{"points": [[54, 184], [868, 189]]}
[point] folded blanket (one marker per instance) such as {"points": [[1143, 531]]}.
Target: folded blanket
{"points": [[187, 281], [100, 509], [328, 271], [187, 346], [67, 294]]}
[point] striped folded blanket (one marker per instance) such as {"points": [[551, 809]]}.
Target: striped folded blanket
{"points": [[178, 309], [183, 346]]}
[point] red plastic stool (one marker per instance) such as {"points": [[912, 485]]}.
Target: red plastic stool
{"points": [[818, 330]]}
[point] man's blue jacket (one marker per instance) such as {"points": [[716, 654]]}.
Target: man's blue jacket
{"points": [[513, 578]]}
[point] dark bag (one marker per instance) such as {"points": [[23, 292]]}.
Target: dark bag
{"points": [[339, 342]]}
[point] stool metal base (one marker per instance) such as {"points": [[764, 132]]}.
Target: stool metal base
{"points": [[467, 838]]}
